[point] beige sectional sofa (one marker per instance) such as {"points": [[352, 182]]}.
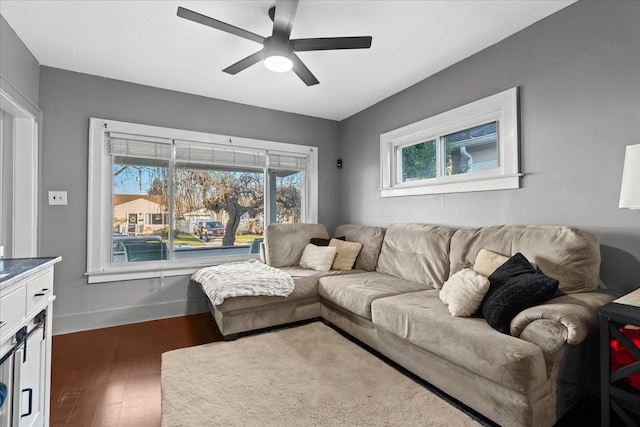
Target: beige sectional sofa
{"points": [[390, 302]]}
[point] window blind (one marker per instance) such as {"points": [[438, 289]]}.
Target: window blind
{"points": [[194, 154], [139, 146], [298, 162], [218, 155]]}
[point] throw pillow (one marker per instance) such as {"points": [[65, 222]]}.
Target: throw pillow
{"points": [[513, 267], [463, 292], [347, 254], [318, 257], [518, 293], [488, 261], [319, 241]]}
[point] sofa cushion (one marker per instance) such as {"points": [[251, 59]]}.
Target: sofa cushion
{"points": [[286, 242], [305, 286], [355, 292], [570, 255], [371, 239], [347, 254], [417, 253], [423, 320], [318, 257]]}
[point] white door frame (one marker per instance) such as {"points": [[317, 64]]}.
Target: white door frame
{"points": [[25, 174]]}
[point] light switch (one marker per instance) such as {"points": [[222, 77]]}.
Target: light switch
{"points": [[57, 197]]}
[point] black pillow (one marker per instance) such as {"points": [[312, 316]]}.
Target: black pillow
{"points": [[319, 241], [516, 294], [513, 267]]}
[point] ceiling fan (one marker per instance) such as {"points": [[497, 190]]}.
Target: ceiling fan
{"points": [[278, 50]]}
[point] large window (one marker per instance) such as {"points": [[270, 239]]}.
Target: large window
{"points": [[166, 201], [470, 148]]}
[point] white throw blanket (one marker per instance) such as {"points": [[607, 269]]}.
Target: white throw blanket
{"points": [[243, 279]]}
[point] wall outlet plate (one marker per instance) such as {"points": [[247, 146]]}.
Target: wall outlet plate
{"points": [[57, 197]]}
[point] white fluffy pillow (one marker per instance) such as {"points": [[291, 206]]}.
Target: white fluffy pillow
{"points": [[318, 257], [463, 292]]}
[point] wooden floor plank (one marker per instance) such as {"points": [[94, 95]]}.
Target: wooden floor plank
{"points": [[111, 377]]}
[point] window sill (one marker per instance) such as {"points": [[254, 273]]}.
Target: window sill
{"points": [[485, 184], [151, 270]]}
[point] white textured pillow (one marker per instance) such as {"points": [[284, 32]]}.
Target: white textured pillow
{"points": [[318, 257], [463, 292]]}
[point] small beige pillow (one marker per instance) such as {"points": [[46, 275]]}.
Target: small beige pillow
{"points": [[463, 292], [347, 254], [318, 257], [487, 262]]}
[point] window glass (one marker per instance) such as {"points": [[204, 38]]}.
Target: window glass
{"points": [[471, 150], [288, 193], [139, 209], [217, 212], [418, 162]]}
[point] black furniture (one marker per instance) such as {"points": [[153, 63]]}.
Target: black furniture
{"points": [[616, 394]]}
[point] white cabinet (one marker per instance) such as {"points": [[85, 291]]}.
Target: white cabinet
{"points": [[29, 377], [25, 345]]}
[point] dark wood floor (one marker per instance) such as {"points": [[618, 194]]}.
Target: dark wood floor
{"points": [[111, 376]]}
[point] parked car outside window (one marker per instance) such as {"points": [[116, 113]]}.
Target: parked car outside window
{"points": [[206, 230], [141, 248]]}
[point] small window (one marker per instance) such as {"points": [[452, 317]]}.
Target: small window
{"points": [[470, 148]]}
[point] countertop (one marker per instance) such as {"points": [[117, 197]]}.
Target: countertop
{"points": [[14, 269]]}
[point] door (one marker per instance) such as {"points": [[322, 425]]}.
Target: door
{"points": [[132, 223]]}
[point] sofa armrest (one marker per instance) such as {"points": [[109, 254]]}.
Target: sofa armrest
{"points": [[263, 254], [575, 313]]}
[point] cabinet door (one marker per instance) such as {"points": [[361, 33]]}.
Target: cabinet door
{"points": [[30, 383]]}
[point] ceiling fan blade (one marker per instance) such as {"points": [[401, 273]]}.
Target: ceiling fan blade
{"points": [[283, 19], [303, 72], [326, 43], [218, 25], [245, 63]]}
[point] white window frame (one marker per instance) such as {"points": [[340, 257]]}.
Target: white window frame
{"points": [[501, 107], [99, 200]]}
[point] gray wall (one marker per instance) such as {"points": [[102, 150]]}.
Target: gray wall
{"points": [[68, 99], [18, 66], [579, 78]]}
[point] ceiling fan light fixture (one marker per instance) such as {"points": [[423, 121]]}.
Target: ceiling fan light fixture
{"points": [[278, 63], [278, 50]]}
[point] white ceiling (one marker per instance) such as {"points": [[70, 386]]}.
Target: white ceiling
{"points": [[145, 42]]}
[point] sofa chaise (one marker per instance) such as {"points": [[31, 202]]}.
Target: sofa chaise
{"points": [[390, 302]]}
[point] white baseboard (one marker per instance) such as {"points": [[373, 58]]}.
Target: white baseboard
{"points": [[124, 315]]}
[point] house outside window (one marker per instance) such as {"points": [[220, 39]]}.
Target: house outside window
{"points": [[470, 148], [166, 201]]}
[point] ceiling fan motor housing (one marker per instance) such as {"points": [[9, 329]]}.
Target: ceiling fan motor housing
{"points": [[278, 46]]}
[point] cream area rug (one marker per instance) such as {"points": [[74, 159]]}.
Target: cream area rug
{"points": [[308, 375]]}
